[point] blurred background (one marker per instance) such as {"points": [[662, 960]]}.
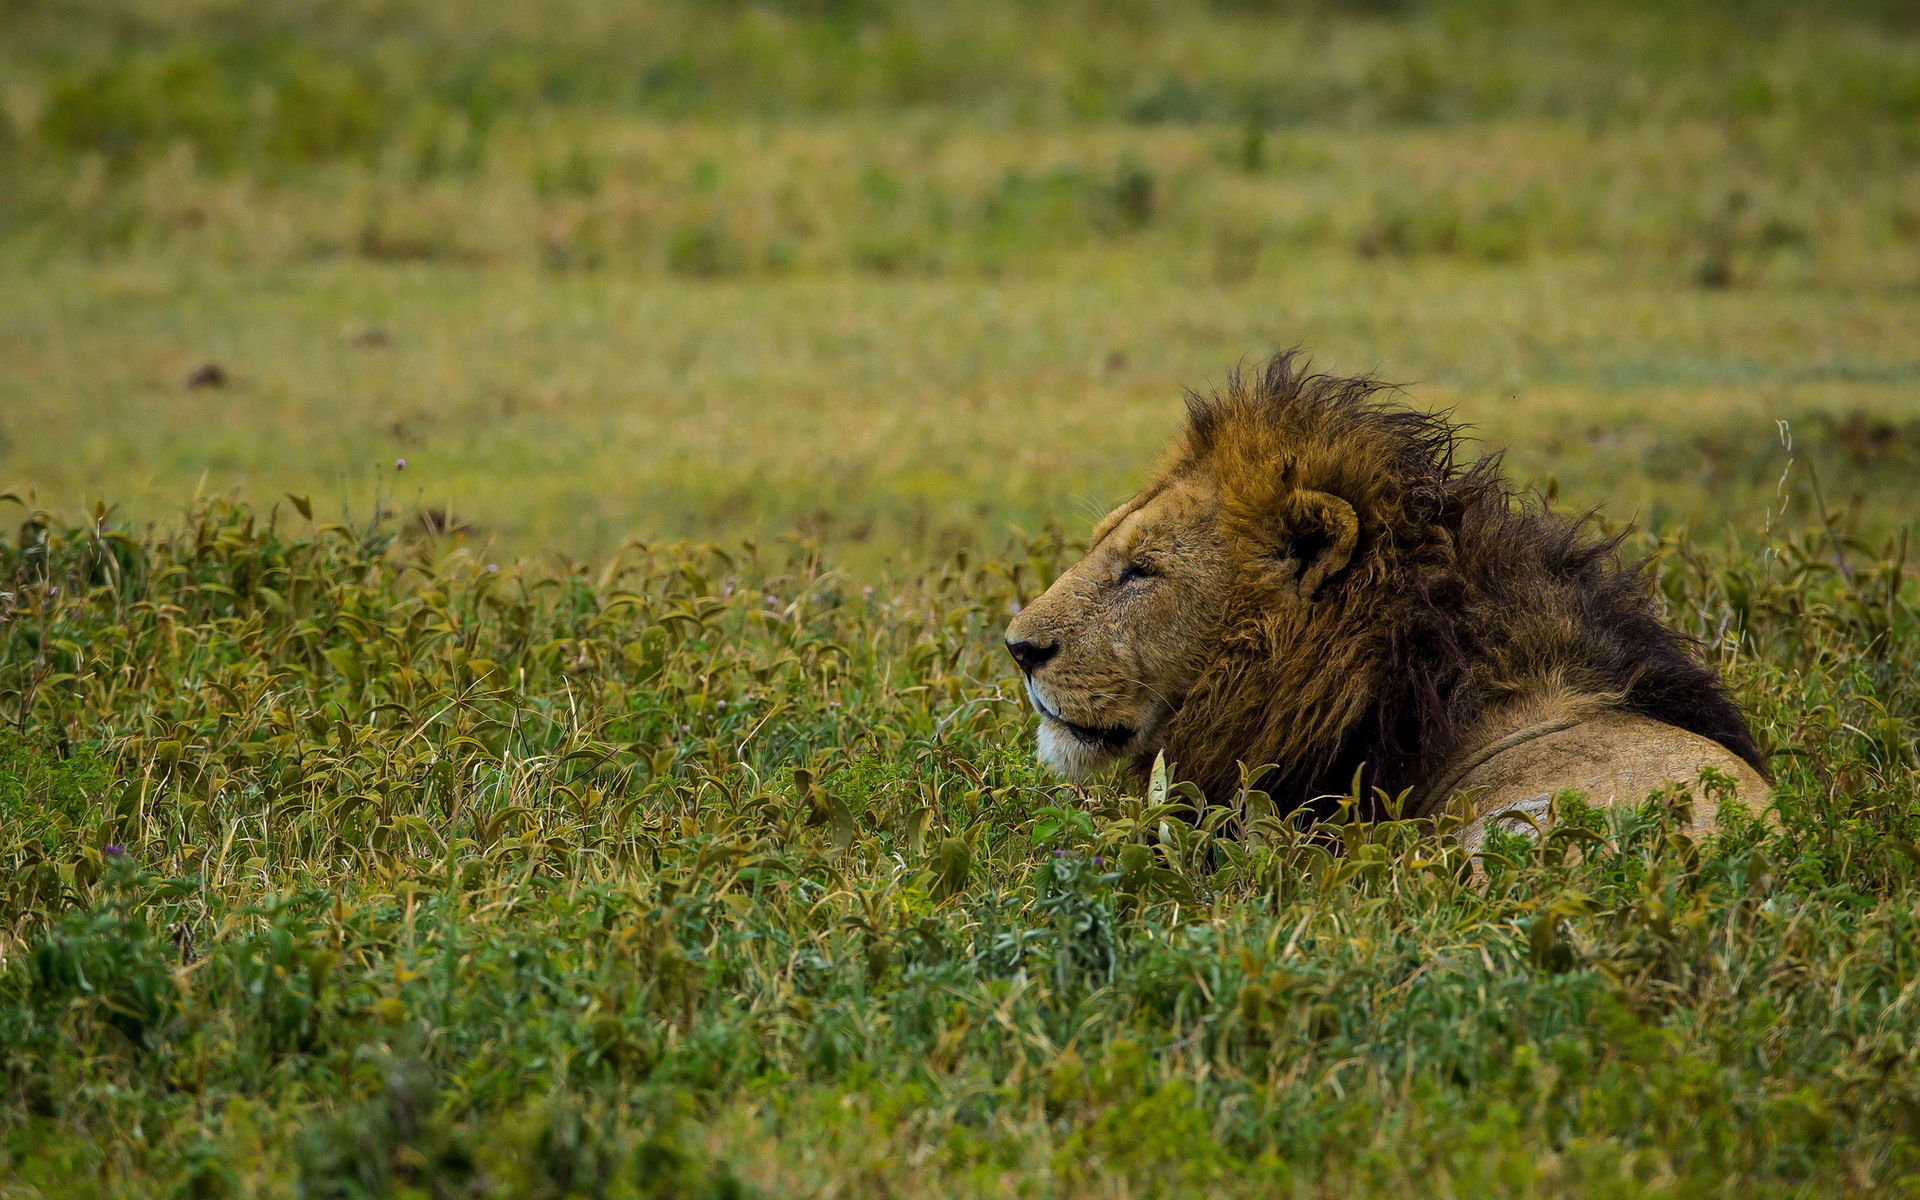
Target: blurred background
{"points": [[905, 276]]}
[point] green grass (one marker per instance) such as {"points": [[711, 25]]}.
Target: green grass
{"points": [[905, 277], [900, 419], [668, 826], [346, 865]]}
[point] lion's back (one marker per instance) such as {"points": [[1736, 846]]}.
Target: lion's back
{"points": [[1615, 758]]}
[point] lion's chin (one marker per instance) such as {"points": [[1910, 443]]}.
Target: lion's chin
{"points": [[1070, 755], [1080, 760]]}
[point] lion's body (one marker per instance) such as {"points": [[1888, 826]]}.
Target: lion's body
{"points": [[1314, 583], [1609, 756]]}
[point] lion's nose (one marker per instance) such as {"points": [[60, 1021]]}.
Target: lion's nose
{"points": [[1031, 655]]}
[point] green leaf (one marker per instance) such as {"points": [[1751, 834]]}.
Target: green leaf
{"points": [[1157, 782], [348, 664], [952, 866]]}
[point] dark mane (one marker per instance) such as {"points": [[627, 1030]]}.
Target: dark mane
{"points": [[1458, 594]]}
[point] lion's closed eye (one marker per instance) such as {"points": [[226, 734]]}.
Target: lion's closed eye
{"points": [[1136, 570]]}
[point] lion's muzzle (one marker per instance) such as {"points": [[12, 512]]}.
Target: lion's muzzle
{"points": [[1110, 738]]}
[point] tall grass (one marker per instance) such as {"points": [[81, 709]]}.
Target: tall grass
{"points": [[348, 864]]}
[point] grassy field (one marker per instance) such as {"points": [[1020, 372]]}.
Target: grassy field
{"points": [[912, 417], [627, 796], [906, 277]]}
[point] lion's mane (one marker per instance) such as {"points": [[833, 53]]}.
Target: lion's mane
{"points": [[1458, 594]]}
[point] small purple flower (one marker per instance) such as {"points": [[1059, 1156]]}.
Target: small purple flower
{"points": [[686, 729], [492, 567], [399, 464], [113, 849], [1098, 861], [1059, 853]]}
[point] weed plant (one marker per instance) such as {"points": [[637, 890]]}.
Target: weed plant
{"points": [[341, 865]]}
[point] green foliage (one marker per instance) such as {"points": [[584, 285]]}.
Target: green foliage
{"points": [[906, 276], [545, 110], [364, 869]]}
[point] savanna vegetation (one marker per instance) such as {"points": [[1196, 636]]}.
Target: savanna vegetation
{"points": [[905, 276], [514, 506]]}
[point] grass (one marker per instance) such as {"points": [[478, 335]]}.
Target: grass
{"points": [[892, 419], [341, 865], [906, 277], [626, 796]]}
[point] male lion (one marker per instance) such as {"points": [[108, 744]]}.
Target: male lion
{"points": [[1314, 581]]}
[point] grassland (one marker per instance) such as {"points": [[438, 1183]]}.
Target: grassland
{"points": [[910, 277], [625, 797]]}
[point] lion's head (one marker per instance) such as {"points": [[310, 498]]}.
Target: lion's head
{"points": [[1313, 581], [1113, 648]]}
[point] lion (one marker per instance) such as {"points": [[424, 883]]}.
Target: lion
{"points": [[1316, 582]]}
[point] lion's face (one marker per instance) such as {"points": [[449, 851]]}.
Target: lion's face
{"points": [[1111, 649]]}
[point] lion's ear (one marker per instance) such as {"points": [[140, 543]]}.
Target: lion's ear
{"points": [[1321, 531]]}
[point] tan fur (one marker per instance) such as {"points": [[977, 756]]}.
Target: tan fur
{"points": [[1131, 655], [1313, 584], [1611, 759]]}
